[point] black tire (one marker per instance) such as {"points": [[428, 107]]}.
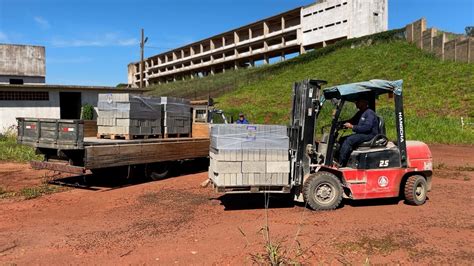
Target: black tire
{"points": [[415, 190], [157, 171], [323, 191]]}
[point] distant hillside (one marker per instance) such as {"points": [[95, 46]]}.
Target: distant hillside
{"points": [[437, 93]]}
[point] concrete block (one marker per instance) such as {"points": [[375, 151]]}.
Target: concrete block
{"points": [[228, 179], [278, 167], [222, 167], [253, 166], [254, 155]]}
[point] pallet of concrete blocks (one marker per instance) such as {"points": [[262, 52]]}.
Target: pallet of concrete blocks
{"points": [[128, 116], [249, 156], [176, 117]]}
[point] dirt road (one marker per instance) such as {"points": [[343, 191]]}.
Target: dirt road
{"points": [[175, 221]]}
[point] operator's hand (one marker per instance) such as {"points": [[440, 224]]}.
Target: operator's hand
{"points": [[348, 125]]}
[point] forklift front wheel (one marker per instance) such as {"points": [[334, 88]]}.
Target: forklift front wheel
{"points": [[415, 190], [323, 191]]}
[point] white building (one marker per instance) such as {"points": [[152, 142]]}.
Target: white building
{"points": [[294, 31], [48, 101], [24, 94]]}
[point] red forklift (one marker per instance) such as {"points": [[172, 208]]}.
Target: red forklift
{"points": [[378, 168]]}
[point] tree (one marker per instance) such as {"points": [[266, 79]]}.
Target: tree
{"points": [[470, 31]]}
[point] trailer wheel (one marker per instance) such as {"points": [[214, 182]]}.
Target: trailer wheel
{"points": [[415, 190], [323, 191], [157, 171]]}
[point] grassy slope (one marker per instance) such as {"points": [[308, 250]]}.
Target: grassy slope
{"points": [[437, 93]]}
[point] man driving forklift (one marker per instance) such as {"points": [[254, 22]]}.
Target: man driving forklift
{"points": [[364, 124]]}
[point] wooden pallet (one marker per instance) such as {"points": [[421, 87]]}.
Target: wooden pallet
{"points": [[128, 136], [169, 136]]}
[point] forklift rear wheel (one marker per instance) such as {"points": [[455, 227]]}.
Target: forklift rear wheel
{"points": [[415, 190], [323, 191]]}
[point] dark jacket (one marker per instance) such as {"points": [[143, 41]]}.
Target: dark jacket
{"points": [[367, 123], [242, 122]]}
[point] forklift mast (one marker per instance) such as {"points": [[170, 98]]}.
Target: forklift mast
{"points": [[305, 110]]}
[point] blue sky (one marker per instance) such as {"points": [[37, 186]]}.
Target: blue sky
{"points": [[90, 42]]}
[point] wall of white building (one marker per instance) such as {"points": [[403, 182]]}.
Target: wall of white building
{"points": [[342, 19], [10, 110]]}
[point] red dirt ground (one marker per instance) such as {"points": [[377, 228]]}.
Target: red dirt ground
{"points": [[175, 221]]}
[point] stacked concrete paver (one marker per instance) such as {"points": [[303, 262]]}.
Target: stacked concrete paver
{"points": [[177, 115], [249, 155], [128, 114]]}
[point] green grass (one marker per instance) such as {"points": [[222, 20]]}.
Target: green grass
{"points": [[11, 151], [436, 93], [35, 192]]}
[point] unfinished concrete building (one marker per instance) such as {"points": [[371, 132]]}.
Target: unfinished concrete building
{"points": [[22, 64], [292, 32]]}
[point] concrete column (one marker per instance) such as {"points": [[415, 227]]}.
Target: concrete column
{"points": [[265, 46], [191, 51], [236, 37], [212, 45], [252, 63], [159, 61], [283, 41], [182, 53], [302, 50], [201, 48], [223, 41], [250, 33], [282, 23], [324, 44], [174, 56], [265, 28], [212, 71], [266, 60], [223, 69], [192, 75], [174, 77], [236, 65], [282, 57], [236, 53], [212, 58]]}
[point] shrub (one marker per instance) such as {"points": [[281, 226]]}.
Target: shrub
{"points": [[87, 112]]}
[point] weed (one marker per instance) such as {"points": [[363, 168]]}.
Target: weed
{"points": [[34, 192], [440, 166], [466, 168], [10, 150]]}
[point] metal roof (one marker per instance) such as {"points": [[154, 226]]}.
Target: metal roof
{"points": [[353, 91]]}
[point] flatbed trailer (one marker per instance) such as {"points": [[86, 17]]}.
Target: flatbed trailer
{"points": [[66, 149]]}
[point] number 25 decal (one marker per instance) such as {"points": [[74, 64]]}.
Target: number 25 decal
{"points": [[384, 163]]}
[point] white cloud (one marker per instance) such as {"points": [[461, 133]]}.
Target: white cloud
{"points": [[42, 23], [3, 37], [108, 39]]}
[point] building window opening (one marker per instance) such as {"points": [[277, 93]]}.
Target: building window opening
{"points": [[16, 81]]}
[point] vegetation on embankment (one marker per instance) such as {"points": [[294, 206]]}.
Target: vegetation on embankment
{"points": [[436, 93]]}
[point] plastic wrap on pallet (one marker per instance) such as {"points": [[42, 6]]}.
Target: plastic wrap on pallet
{"points": [[249, 155], [176, 115], [131, 106], [249, 137]]}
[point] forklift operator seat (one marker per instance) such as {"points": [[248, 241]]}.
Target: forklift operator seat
{"points": [[380, 140]]}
